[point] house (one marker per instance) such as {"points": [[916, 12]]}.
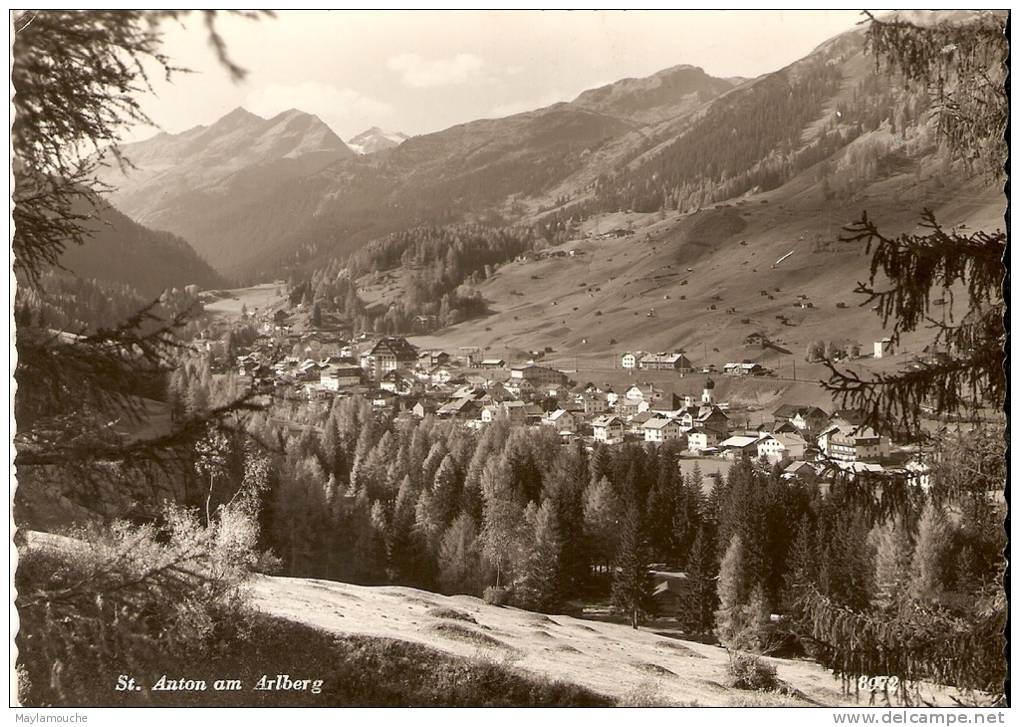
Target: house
{"points": [[848, 443], [389, 354], [706, 416], [666, 362], [801, 416], [424, 323], [399, 381], [540, 377], [334, 377], [744, 368], [561, 419], [802, 471], [441, 374], [512, 410], [671, 593], [658, 429], [777, 447], [607, 429], [630, 360], [739, 445], [430, 359], [698, 440], [777, 428], [423, 408], [593, 403], [884, 347], [462, 408], [493, 363], [643, 393]]}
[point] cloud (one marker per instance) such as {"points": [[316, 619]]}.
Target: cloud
{"points": [[418, 72], [345, 110]]}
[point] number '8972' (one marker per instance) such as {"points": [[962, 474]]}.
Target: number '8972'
{"points": [[878, 684]]}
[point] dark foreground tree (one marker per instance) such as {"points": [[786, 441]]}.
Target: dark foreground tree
{"points": [[962, 65], [929, 634], [79, 78], [632, 584]]}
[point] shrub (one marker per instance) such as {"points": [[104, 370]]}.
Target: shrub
{"points": [[496, 596], [747, 671], [91, 606]]}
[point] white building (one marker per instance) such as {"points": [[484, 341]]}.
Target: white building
{"points": [[561, 419], [884, 348], [776, 447], [631, 360], [608, 429], [658, 429]]}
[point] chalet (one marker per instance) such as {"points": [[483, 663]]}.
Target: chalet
{"points": [[636, 421], [671, 593], [533, 413], [390, 353], [803, 417], [658, 429], [561, 419], [593, 403], [666, 362], [423, 408], [706, 416], [441, 375], [607, 429], [803, 471], [744, 368], [430, 359], [777, 427], [699, 440], [739, 445], [514, 411], [643, 392], [424, 323], [777, 447], [462, 408], [539, 376], [884, 347], [847, 443]]}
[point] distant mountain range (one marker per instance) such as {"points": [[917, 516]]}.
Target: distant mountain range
{"points": [[258, 197], [251, 194]]}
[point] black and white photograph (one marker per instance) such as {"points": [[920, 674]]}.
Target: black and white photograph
{"points": [[510, 358]]}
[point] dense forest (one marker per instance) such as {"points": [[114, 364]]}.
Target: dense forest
{"points": [[512, 514], [441, 264]]}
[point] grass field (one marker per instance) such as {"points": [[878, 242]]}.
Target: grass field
{"points": [[256, 299]]}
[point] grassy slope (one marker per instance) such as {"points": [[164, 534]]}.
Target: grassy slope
{"points": [[544, 303], [606, 658]]}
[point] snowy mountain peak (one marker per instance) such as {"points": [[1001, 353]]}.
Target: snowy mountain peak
{"points": [[376, 139]]}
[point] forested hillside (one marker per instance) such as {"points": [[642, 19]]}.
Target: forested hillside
{"points": [[121, 251]]}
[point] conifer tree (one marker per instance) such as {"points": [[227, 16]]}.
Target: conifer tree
{"points": [[702, 570], [538, 586], [893, 553], [928, 567], [632, 584], [460, 567]]}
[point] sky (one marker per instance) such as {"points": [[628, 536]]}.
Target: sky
{"points": [[423, 71]]}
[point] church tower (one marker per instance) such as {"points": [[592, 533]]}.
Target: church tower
{"points": [[708, 393]]}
